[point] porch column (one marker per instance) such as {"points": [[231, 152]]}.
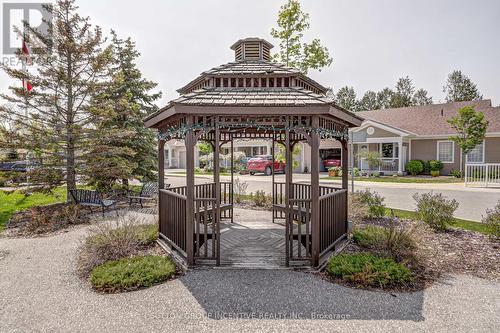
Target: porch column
{"points": [[315, 222], [161, 164], [190, 142], [400, 156]]}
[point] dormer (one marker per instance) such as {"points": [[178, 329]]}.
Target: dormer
{"points": [[252, 49]]}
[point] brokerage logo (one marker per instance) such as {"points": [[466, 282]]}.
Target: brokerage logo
{"points": [[36, 15]]}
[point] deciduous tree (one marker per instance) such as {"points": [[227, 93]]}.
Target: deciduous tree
{"points": [[460, 87], [292, 23]]}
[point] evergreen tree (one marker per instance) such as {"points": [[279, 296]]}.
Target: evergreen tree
{"points": [[369, 101], [292, 22], [346, 98], [460, 87], [403, 94], [384, 98], [130, 150], [420, 98], [56, 120]]}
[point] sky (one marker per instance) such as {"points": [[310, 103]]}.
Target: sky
{"points": [[373, 43]]}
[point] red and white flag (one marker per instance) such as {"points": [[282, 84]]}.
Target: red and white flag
{"points": [[26, 61]]}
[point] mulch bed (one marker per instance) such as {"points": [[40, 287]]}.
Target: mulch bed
{"points": [[454, 251]]}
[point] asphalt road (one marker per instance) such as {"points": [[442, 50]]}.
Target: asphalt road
{"points": [[473, 202]]}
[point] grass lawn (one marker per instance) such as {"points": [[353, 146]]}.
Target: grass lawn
{"points": [[11, 202], [459, 223], [403, 180]]}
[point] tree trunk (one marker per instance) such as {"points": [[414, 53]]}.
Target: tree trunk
{"points": [[70, 164]]}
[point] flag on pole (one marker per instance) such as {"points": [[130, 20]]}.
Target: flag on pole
{"points": [[26, 60]]}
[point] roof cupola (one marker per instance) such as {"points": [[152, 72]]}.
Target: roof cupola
{"points": [[252, 49]]}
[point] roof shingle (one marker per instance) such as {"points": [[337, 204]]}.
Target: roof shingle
{"points": [[432, 119]]}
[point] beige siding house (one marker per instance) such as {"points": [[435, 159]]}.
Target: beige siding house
{"points": [[398, 135], [423, 132]]}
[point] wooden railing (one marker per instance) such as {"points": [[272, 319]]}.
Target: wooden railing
{"points": [[333, 219], [173, 219], [299, 191], [172, 205], [482, 174]]}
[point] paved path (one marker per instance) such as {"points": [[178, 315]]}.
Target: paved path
{"points": [[39, 292], [473, 202]]}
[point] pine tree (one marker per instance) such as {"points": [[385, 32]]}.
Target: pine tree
{"points": [[369, 101], [56, 121], [131, 152], [460, 87], [346, 98], [420, 98]]}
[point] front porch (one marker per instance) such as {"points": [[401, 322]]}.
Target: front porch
{"points": [[379, 148]]}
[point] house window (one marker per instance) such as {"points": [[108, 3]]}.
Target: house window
{"points": [[445, 151], [390, 150], [476, 155]]}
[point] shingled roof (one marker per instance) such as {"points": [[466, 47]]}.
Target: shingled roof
{"points": [[432, 119], [253, 97]]}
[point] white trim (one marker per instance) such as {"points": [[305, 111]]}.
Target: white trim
{"points": [[382, 126], [452, 151], [383, 140], [484, 157]]}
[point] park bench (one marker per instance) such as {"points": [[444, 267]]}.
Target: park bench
{"points": [[149, 191], [91, 199]]}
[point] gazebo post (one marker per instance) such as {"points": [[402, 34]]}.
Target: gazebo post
{"points": [[272, 175], [217, 191], [315, 218], [345, 177], [231, 194], [288, 195], [161, 164], [190, 142]]}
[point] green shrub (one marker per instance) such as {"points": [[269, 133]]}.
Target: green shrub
{"points": [[368, 270], [415, 167], [456, 173], [492, 219], [111, 242], [356, 172], [435, 165], [369, 236], [435, 210], [131, 273], [375, 202], [260, 198], [390, 239]]}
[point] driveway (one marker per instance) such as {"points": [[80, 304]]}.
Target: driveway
{"points": [[473, 202], [39, 291]]}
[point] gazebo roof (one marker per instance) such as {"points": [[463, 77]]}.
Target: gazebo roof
{"points": [[291, 96], [252, 67], [252, 84]]}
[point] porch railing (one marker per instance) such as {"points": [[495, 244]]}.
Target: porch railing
{"points": [[333, 219], [386, 164], [483, 174], [172, 214]]}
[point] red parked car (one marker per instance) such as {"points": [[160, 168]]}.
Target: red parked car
{"points": [[263, 163], [331, 162]]}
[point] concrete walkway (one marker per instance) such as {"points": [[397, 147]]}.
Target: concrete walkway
{"points": [[39, 291], [473, 202]]}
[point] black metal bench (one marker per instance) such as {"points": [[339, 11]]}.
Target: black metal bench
{"points": [[149, 191], [91, 199]]}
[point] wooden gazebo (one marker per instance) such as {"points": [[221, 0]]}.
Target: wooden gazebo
{"points": [[253, 98]]}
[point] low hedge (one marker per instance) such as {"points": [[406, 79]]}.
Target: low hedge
{"points": [[368, 270], [131, 273]]}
